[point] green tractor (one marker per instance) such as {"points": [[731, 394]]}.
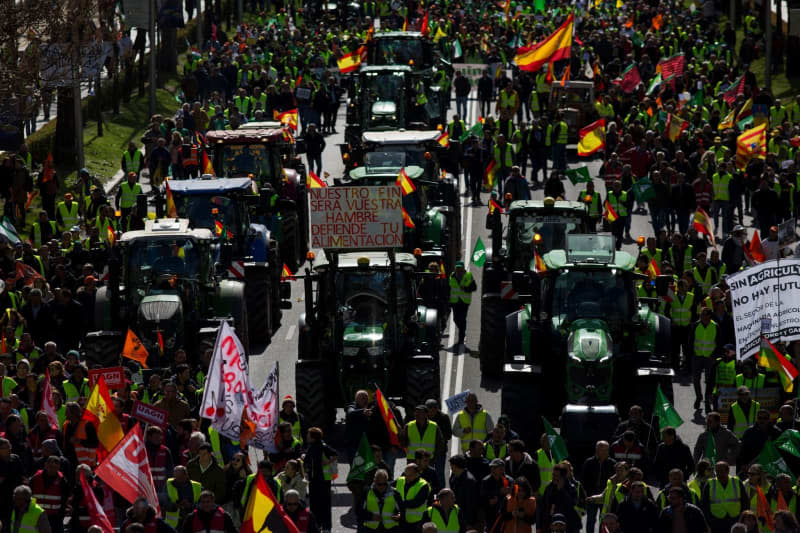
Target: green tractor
{"points": [[362, 325], [382, 98], [433, 206], [532, 226], [598, 347], [265, 151], [164, 286], [230, 208]]}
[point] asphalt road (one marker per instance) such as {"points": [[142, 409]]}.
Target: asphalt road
{"points": [[459, 369]]}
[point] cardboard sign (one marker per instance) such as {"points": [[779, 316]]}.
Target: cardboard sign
{"points": [[769, 398], [356, 217], [114, 376], [457, 402], [149, 414]]}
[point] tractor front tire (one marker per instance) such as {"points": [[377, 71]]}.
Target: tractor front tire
{"points": [[422, 383], [312, 396], [259, 306]]}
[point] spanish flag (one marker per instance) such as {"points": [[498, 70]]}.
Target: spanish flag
{"points": [[172, 211], [592, 138], [314, 181], [287, 118], [388, 418], [286, 273], [208, 168], [349, 62], [100, 412], [112, 235], [407, 222], [608, 212], [489, 177], [263, 513], [752, 143], [652, 270], [675, 126], [405, 183], [702, 223], [555, 48], [444, 139]]}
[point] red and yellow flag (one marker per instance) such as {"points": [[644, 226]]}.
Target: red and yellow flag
{"points": [[752, 143], [609, 213], [494, 205], [263, 512], [538, 263], [592, 138], [771, 358], [702, 223], [350, 62], [555, 48], [405, 23], [112, 235], [172, 211], [388, 418], [219, 227], [444, 139], [286, 273], [134, 349], [314, 181], [489, 176], [287, 118], [407, 222], [405, 183], [652, 270], [100, 412], [756, 250], [675, 126], [208, 168]]}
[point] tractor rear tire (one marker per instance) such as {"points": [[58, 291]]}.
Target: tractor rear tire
{"points": [[103, 348], [259, 306], [493, 334], [290, 241], [422, 383], [311, 394]]}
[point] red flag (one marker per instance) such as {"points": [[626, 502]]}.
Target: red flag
{"points": [[48, 405], [97, 515], [764, 511], [494, 205], [208, 168], [756, 250], [424, 28], [160, 343], [27, 273], [127, 470], [48, 172]]}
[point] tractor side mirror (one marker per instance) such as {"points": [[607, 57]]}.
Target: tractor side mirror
{"points": [[285, 290]]}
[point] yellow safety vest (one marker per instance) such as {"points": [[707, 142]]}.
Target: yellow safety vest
{"points": [[594, 206], [171, 517], [478, 425], [458, 292], [450, 525], [562, 133], [545, 469], [721, 186], [705, 339], [725, 502], [412, 515], [427, 441], [129, 194], [132, 163], [704, 283], [753, 383], [30, 520], [618, 202], [37, 233], [69, 215], [681, 311], [744, 420], [385, 508], [295, 426], [491, 454], [508, 101], [726, 373], [506, 158]]}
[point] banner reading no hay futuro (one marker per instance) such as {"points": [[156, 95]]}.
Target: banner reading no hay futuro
{"points": [[766, 299]]}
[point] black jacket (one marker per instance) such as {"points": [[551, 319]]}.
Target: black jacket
{"points": [[641, 519], [594, 474], [695, 521], [526, 468], [467, 493], [675, 455]]}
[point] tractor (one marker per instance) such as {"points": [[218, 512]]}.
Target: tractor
{"points": [[583, 344], [382, 98], [433, 206], [269, 154], [576, 100], [533, 227], [362, 325], [164, 286], [229, 208]]}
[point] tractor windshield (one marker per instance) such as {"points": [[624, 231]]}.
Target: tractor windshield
{"points": [[552, 228], [151, 259], [370, 285], [384, 86], [198, 208], [591, 294], [244, 159], [401, 51]]}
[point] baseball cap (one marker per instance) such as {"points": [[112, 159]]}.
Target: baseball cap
{"points": [[497, 462]]}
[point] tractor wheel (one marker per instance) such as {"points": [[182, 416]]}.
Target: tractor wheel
{"points": [[290, 243], [422, 383], [493, 334], [311, 396], [103, 348], [258, 306]]}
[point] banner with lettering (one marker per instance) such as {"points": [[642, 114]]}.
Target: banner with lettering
{"points": [[766, 299], [237, 410], [127, 470]]}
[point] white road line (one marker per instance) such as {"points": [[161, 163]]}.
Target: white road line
{"points": [[290, 332]]}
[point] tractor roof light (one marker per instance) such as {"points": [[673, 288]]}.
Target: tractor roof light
{"points": [[537, 238], [363, 262], [417, 252], [640, 241], [427, 155], [346, 156], [587, 199], [549, 201], [310, 256], [214, 211], [439, 127]]}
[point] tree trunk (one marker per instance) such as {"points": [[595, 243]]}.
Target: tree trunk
{"points": [[168, 52], [64, 143]]}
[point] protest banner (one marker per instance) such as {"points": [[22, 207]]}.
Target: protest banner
{"points": [[769, 290], [127, 469], [149, 414], [356, 217], [114, 376], [457, 402]]}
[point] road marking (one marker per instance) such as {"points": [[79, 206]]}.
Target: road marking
{"points": [[290, 333]]}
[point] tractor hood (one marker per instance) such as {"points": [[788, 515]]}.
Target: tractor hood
{"points": [[589, 340], [359, 336]]}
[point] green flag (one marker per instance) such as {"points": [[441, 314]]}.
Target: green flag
{"points": [[667, 415], [643, 190], [697, 98], [8, 231], [457, 52], [710, 452], [789, 441], [772, 461], [538, 6], [557, 445], [654, 84], [745, 122], [476, 130], [363, 462], [579, 175], [479, 253]]}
